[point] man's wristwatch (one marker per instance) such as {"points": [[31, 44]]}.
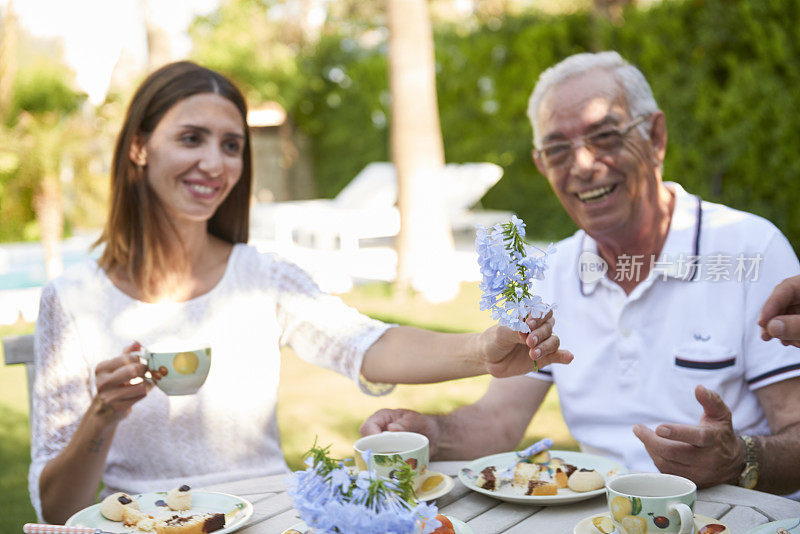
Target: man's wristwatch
{"points": [[748, 478]]}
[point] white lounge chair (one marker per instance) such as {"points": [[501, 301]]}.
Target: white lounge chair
{"points": [[366, 208]]}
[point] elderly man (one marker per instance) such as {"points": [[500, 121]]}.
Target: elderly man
{"points": [[658, 297]]}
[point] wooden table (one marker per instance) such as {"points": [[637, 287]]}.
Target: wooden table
{"points": [[738, 508]]}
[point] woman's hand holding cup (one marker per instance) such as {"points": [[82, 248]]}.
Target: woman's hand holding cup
{"points": [[120, 384]]}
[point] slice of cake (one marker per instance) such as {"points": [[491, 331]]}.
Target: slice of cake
{"points": [[561, 477], [524, 472], [487, 479], [569, 469], [191, 524], [138, 519], [541, 487]]}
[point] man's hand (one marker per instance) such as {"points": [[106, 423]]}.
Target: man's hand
{"points": [[709, 453], [780, 317], [509, 353], [401, 420]]}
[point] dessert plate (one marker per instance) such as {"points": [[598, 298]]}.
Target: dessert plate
{"points": [[459, 526], [791, 526], [604, 466], [442, 488], [202, 501], [702, 525]]}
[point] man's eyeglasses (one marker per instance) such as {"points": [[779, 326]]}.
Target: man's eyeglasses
{"points": [[600, 143]]}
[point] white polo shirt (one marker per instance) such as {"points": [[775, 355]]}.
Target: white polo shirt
{"points": [[638, 357]]}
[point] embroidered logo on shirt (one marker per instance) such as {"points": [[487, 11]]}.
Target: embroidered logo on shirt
{"points": [[701, 337]]}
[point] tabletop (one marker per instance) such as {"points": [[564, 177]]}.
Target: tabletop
{"points": [[740, 509]]}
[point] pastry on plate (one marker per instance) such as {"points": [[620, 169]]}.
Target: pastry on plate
{"points": [[541, 487], [524, 472], [131, 517], [113, 505], [584, 480], [487, 479], [191, 524], [180, 498]]}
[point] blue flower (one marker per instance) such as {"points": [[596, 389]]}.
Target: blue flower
{"points": [[519, 226], [340, 478], [508, 269]]}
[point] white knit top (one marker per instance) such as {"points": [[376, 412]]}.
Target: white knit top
{"points": [[228, 430]]}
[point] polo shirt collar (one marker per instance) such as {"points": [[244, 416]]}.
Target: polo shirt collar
{"points": [[679, 247]]}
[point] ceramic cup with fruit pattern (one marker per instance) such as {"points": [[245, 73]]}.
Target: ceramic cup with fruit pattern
{"points": [[176, 371], [392, 449], [649, 503]]}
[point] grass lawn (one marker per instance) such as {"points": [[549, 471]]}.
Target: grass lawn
{"points": [[14, 443], [313, 402]]}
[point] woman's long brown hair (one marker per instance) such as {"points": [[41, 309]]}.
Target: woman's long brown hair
{"points": [[134, 236]]}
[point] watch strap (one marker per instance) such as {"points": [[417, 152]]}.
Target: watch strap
{"points": [[749, 475], [750, 449]]}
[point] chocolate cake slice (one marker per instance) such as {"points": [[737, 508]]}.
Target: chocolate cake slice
{"points": [[191, 524]]}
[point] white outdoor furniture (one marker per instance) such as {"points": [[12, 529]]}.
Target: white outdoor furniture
{"points": [[740, 509], [19, 350], [366, 208]]}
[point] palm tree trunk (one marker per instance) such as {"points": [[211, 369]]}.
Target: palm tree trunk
{"points": [[159, 48], [50, 217], [425, 243]]}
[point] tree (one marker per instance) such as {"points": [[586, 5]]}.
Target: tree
{"points": [[425, 243], [8, 60], [47, 125]]}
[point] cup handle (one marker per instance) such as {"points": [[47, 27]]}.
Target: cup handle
{"points": [[142, 354], [687, 517]]}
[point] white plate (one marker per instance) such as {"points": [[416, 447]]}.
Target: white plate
{"points": [[202, 501], [605, 466], [459, 526], [700, 522], [788, 525], [443, 488]]}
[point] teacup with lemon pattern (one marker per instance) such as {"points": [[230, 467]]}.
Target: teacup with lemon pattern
{"points": [[177, 372], [649, 503]]}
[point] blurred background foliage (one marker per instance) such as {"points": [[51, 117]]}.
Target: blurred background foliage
{"points": [[723, 71]]}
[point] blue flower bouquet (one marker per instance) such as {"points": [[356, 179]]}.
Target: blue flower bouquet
{"points": [[332, 498]]}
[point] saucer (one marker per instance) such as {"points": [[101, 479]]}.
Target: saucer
{"points": [[791, 526], [459, 526], [702, 525], [442, 488]]}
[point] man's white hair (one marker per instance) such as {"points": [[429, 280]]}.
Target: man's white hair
{"points": [[637, 90]]}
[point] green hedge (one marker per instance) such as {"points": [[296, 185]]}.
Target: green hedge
{"points": [[725, 72]]}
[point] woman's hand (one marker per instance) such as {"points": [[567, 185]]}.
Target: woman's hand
{"points": [[120, 384], [69, 481], [508, 353]]}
